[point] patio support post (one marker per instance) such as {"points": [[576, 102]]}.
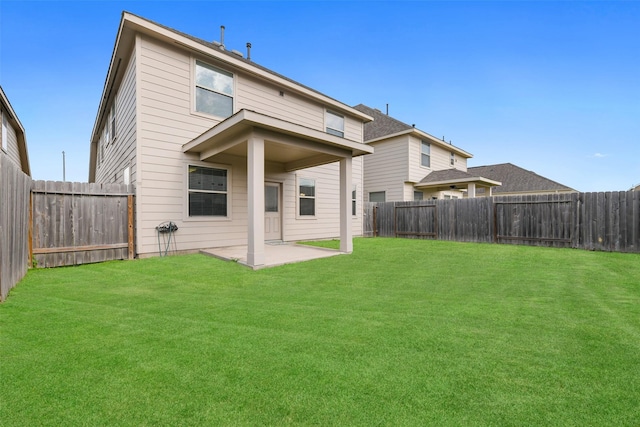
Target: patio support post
{"points": [[255, 195], [471, 190], [346, 241]]}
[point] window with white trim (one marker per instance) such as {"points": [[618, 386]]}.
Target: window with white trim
{"points": [[354, 194], [334, 123], [214, 90], [418, 195], [377, 196], [307, 197], [425, 154], [208, 191], [5, 141]]}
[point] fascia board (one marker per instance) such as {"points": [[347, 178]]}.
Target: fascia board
{"points": [[423, 135], [477, 179]]}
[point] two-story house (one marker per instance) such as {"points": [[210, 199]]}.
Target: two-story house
{"points": [[13, 142], [409, 164], [231, 152]]}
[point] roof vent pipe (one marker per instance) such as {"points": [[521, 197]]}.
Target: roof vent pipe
{"points": [[222, 36], [387, 109], [249, 51]]}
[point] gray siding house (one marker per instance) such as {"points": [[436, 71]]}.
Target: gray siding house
{"points": [[13, 142]]}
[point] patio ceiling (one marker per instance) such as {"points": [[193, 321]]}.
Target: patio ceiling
{"points": [[293, 145]]}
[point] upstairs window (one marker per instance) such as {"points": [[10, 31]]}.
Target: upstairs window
{"points": [[214, 90], [425, 154], [207, 191], [334, 124], [307, 196]]}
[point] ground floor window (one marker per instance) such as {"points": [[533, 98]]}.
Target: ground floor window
{"points": [[353, 200], [207, 191], [307, 196], [377, 196], [418, 195]]}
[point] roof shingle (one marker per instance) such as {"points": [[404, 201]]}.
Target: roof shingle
{"points": [[382, 124], [516, 179]]}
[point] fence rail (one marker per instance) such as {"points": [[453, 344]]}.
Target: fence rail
{"points": [[594, 221]]}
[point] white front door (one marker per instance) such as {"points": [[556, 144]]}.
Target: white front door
{"points": [[272, 216]]}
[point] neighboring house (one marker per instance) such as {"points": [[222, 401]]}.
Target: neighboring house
{"points": [[231, 152], [517, 181], [13, 142], [409, 164], [636, 188]]}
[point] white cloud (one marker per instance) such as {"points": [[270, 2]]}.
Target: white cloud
{"points": [[599, 155]]}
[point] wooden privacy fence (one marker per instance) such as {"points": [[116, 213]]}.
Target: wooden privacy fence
{"points": [[78, 223], [14, 225], [52, 224], [593, 221]]}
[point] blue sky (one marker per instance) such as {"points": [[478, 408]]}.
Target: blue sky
{"points": [[553, 87]]}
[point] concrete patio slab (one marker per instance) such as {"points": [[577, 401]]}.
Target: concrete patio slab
{"points": [[275, 254]]}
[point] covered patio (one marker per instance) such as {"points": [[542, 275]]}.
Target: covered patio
{"points": [[275, 254], [260, 138]]}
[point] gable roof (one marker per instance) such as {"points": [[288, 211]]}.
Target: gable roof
{"points": [[131, 23], [384, 126], [20, 132], [517, 180]]}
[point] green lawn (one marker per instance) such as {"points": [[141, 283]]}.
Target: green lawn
{"points": [[402, 332]]}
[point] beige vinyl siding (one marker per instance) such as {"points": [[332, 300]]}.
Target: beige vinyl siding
{"points": [[12, 140], [440, 158], [353, 129], [326, 222], [258, 95], [121, 152], [386, 169], [166, 121]]}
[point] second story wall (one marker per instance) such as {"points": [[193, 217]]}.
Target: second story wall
{"points": [[116, 151], [386, 169], [9, 144], [440, 159]]}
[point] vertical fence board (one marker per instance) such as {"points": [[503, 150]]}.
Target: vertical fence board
{"points": [[15, 187]]}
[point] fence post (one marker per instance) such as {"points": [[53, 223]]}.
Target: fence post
{"points": [[130, 225], [30, 234]]}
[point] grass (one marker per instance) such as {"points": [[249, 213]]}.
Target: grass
{"points": [[402, 332]]}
